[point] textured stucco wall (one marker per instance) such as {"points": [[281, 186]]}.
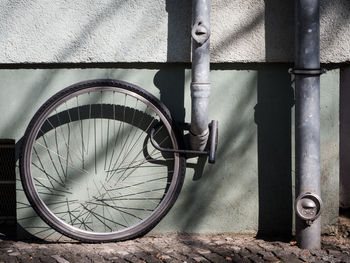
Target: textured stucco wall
{"points": [[250, 187], [86, 31]]}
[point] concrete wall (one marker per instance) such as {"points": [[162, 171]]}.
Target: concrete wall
{"points": [[250, 188], [85, 31]]}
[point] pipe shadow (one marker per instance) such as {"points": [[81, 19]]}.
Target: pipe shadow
{"points": [[279, 30], [170, 81], [179, 30], [273, 117], [344, 141]]}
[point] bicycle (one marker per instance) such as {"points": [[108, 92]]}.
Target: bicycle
{"points": [[103, 160]]}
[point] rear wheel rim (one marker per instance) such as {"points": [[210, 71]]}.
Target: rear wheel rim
{"points": [[90, 216]]}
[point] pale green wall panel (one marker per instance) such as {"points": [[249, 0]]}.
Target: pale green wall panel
{"points": [[330, 148], [250, 186]]}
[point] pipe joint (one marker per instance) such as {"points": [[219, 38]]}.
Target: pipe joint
{"points": [[200, 90], [199, 131], [199, 141]]}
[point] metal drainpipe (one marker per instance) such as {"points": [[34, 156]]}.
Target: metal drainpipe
{"points": [[200, 86], [307, 124]]}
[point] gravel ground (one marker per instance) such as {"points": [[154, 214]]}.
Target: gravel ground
{"points": [[181, 248], [177, 248]]}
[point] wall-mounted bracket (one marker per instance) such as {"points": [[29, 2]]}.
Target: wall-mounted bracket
{"points": [[212, 142], [310, 72]]}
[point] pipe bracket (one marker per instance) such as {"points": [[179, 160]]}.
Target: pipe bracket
{"points": [[212, 145], [310, 72]]}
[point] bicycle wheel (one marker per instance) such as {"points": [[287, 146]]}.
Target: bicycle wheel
{"points": [[88, 168]]}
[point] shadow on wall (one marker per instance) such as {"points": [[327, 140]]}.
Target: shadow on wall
{"points": [[279, 30], [273, 117], [344, 147], [170, 82], [179, 30]]}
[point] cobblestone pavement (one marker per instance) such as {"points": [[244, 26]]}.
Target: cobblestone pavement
{"points": [[176, 248]]}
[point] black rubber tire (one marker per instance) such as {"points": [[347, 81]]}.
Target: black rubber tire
{"points": [[31, 135]]}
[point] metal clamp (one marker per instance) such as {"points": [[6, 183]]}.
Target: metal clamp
{"points": [[310, 72], [308, 206], [213, 142]]}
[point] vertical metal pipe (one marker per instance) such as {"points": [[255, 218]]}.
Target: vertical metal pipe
{"points": [[307, 118], [200, 86]]}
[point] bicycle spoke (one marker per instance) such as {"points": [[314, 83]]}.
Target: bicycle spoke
{"points": [[60, 156]]}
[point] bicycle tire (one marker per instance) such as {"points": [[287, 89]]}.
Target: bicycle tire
{"points": [[59, 159]]}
